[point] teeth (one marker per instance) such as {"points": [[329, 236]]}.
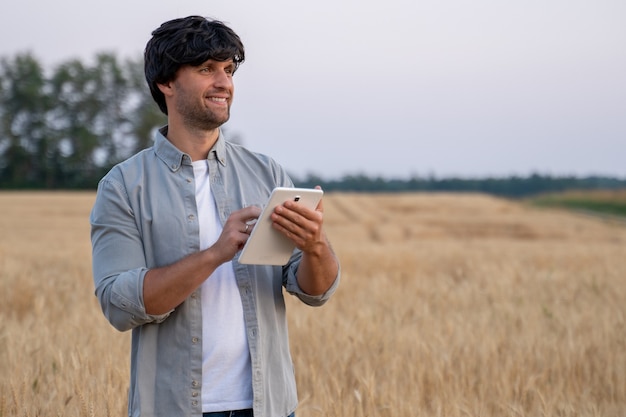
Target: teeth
{"points": [[218, 99]]}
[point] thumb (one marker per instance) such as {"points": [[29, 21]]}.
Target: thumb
{"points": [[320, 205]]}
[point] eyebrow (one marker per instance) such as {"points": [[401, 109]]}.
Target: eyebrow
{"points": [[215, 61]]}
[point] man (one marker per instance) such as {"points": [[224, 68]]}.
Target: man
{"points": [[209, 335]]}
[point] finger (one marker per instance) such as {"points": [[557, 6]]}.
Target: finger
{"points": [[250, 213], [303, 210], [292, 231], [320, 205], [296, 226], [297, 212]]}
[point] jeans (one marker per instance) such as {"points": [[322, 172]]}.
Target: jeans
{"points": [[236, 413]]}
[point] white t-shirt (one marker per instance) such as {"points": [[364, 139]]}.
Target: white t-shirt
{"points": [[226, 368]]}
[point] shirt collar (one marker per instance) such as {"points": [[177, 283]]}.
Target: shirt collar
{"points": [[174, 158], [219, 149]]}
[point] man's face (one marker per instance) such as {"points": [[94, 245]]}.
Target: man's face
{"points": [[203, 94]]}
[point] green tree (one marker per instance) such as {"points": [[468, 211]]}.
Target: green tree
{"points": [[111, 121], [65, 131], [74, 118], [145, 114], [27, 157]]}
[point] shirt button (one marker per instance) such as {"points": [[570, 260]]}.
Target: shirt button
{"points": [[194, 384], [194, 403], [194, 394], [191, 217], [194, 340], [189, 180]]}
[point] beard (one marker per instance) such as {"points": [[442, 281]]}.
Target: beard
{"points": [[197, 116]]}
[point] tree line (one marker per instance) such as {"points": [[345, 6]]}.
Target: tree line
{"points": [[65, 127], [512, 186]]}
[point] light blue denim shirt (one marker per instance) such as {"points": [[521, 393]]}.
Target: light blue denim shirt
{"points": [[145, 216]]}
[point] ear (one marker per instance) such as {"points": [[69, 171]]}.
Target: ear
{"points": [[165, 88]]}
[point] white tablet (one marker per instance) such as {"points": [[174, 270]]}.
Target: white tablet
{"points": [[267, 246]]}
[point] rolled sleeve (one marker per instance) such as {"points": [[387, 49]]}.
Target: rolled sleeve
{"points": [[118, 259], [293, 288], [121, 299]]}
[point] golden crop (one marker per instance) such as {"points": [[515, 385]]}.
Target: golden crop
{"points": [[450, 305]]}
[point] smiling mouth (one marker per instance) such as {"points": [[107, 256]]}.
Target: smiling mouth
{"points": [[217, 99]]}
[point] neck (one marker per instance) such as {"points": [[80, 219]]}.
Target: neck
{"points": [[196, 143]]}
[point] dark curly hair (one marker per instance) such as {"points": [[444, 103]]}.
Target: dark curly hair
{"points": [[187, 41]]}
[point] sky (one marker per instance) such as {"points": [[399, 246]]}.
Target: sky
{"points": [[395, 88]]}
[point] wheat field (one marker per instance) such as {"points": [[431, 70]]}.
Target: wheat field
{"points": [[450, 305]]}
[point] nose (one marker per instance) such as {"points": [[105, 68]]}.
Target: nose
{"points": [[223, 79]]}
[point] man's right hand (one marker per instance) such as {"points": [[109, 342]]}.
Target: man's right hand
{"points": [[235, 233], [167, 287]]}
